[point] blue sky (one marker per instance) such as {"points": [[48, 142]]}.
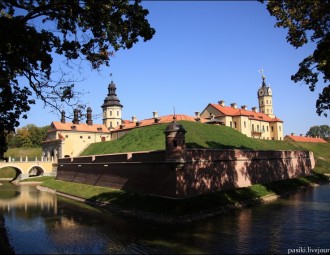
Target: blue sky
{"points": [[202, 52]]}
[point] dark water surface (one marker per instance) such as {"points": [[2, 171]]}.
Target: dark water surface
{"points": [[39, 222]]}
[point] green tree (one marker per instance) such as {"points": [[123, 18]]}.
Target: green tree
{"points": [[308, 20], [32, 31], [321, 131]]}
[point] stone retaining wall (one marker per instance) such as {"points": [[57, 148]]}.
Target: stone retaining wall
{"points": [[202, 171]]}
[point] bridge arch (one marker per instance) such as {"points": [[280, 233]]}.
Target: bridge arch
{"points": [[16, 168], [36, 170]]}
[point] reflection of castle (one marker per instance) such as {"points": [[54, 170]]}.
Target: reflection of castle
{"points": [[71, 138]]}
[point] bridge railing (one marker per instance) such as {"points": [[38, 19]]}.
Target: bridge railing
{"points": [[27, 159]]}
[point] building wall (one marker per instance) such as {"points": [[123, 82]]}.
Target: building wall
{"points": [[203, 171], [72, 144]]}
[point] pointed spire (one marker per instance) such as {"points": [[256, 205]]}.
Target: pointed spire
{"points": [[263, 80]]}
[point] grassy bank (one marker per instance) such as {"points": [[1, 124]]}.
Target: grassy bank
{"points": [[7, 172], [206, 203]]}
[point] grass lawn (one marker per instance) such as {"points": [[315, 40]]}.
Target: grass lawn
{"points": [[179, 207]]}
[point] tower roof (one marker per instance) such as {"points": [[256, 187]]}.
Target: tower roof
{"points": [[175, 127], [111, 99], [264, 90]]}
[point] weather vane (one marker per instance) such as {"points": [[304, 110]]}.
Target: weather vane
{"points": [[261, 71]]}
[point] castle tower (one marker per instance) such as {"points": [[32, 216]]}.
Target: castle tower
{"points": [[265, 99], [112, 109], [175, 142]]}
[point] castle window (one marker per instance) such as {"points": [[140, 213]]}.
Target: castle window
{"points": [[231, 124], [89, 137], [279, 128], [266, 101], [267, 129], [262, 102], [235, 124], [175, 143], [110, 113], [81, 137], [272, 129], [66, 136], [252, 127], [244, 124], [117, 113]]}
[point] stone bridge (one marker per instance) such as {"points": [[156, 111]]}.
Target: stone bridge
{"points": [[25, 168]]}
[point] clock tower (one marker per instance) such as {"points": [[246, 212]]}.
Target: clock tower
{"points": [[265, 98], [112, 109]]}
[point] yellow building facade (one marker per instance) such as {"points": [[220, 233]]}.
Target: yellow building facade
{"points": [[69, 139], [262, 124]]}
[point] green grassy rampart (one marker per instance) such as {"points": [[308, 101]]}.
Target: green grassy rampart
{"points": [[206, 136]]}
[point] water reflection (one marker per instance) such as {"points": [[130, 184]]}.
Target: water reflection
{"points": [[39, 222], [25, 197]]}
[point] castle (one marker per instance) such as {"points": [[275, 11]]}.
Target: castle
{"points": [[69, 139]]}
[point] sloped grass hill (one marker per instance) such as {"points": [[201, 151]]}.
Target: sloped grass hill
{"points": [[198, 136], [205, 136]]}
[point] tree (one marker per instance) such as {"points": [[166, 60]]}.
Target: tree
{"points": [[29, 136], [308, 20], [321, 131], [33, 31]]}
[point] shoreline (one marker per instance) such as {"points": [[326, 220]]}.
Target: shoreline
{"points": [[170, 217], [165, 218]]}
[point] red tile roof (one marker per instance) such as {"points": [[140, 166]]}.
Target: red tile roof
{"points": [[82, 127], [230, 111], [148, 122], [305, 139]]}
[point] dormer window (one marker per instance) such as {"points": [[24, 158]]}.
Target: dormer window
{"points": [[99, 129], [74, 127]]}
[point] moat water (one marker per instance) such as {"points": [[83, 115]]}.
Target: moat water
{"points": [[42, 223]]}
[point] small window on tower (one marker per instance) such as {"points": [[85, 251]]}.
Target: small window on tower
{"points": [[117, 113], [110, 113], [175, 143]]}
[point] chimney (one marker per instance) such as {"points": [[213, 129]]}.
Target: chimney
{"points": [[221, 102], [244, 107], [89, 120], [254, 109], [301, 135], [292, 134], [75, 116], [233, 105], [63, 116], [134, 119], [198, 116], [155, 114]]}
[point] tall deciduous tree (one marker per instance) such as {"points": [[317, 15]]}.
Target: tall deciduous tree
{"points": [[33, 31], [308, 20]]}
